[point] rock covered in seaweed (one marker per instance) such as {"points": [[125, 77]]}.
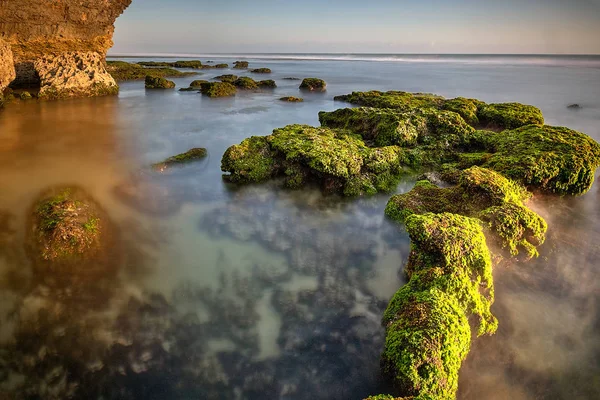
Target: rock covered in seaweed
{"points": [[124, 71], [245, 83], [152, 82], [292, 99], [509, 115], [313, 84], [218, 89], [240, 65], [194, 64], [261, 71], [229, 78], [191, 155], [267, 84], [69, 229]]}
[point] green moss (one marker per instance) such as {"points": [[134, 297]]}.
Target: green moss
{"points": [[261, 71], [195, 64], [183, 158], [246, 83], [197, 83], [482, 194], [267, 84], [509, 115], [313, 84], [402, 101], [153, 63], [158, 83], [91, 226], [427, 338], [292, 99], [123, 71], [240, 65], [218, 89], [466, 108], [229, 78], [250, 161], [553, 159], [222, 66]]}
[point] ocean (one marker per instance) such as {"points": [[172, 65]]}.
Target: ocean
{"points": [[262, 293]]}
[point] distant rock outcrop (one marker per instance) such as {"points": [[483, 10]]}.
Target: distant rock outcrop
{"points": [[78, 31]]}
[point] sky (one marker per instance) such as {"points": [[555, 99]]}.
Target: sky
{"points": [[353, 26]]}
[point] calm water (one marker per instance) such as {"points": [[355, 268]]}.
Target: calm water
{"points": [[258, 293]]}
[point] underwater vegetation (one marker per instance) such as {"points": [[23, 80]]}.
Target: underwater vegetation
{"points": [[124, 71], [492, 157]]}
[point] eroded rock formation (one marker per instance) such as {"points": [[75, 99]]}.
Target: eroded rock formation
{"points": [[7, 68], [79, 31]]}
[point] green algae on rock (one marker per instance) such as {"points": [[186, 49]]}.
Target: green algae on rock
{"points": [[509, 115], [194, 64], [222, 66], [153, 82], [313, 84], [261, 71], [482, 194], [191, 155], [229, 78], [267, 84], [245, 83], [292, 99], [240, 65], [197, 83], [68, 228], [124, 71], [250, 161], [218, 89]]}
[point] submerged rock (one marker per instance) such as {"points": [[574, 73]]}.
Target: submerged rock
{"points": [[261, 71], [313, 84], [183, 158], [218, 89], [292, 99], [197, 83], [574, 106], [69, 235], [75, 74], [291, 79], [155, 64], [158, 83], [222, 66], [194, 64], [240, 65], [246, 83]]}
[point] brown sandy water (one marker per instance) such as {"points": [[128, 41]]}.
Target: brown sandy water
{"points": [[262, 293]]}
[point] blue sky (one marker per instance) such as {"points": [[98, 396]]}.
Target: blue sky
{"points": [[375, 26]]}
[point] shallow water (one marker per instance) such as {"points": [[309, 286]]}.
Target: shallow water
{"points": [[263, 293]]}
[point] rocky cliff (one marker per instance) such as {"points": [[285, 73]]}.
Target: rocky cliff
{"points": [[75, 32]]}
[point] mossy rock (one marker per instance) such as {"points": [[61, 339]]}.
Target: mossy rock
{"points": [[250, 161], [194, 64], [261, 71], [218, 89], [292, 99], [70, 235], [229, 78], [267, 84], [153, 82], [427, 338], [509, 115], [191, 155], [155, 64], [313, 84], [124, 71], [240, 65], [398, 100], [25, 96], [197, 83], [189, 89], [291, 78], [245, 83], [481, 194], [466, 108], [552, 159], [222, 66]]}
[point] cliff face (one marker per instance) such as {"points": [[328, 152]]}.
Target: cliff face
{"points": [[7, 67], [42, 29]]}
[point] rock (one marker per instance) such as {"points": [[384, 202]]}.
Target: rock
{"points": [[574, 106], [246, 83], [291, 79], [183, 158], [267, 84], [194, 64], [155, 64], [67, 229], [74, 74], [292, 99], [25, 96], [124, 71], [158, 83], [36, 29], [313, 84], [218, 89], [221, 66], [261, 71], [7, 67], [240, 65], [510, 115], [197, 83], [229, 78]]}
